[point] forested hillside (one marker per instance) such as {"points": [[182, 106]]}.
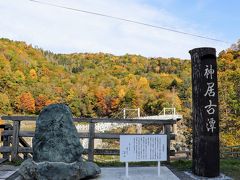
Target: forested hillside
{"points": [[100, 85]]}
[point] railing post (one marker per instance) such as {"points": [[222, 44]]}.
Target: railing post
{"points": [[91, 141], [174, 128], [167, 132], [138, 110], [139, 126], [15, 140], [6, 141], [188, 155]]}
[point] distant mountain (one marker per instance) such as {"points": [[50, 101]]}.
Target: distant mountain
{"points": [[100, 85]]}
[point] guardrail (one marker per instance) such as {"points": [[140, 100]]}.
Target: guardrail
{"points": [[14, 143], [230, 151]]}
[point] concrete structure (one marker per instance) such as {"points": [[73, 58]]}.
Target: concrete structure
{"points": [[166, 113], [137, 173], [6, 174]]}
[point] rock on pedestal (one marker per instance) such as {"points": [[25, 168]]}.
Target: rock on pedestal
{"points": [[56, 148]]}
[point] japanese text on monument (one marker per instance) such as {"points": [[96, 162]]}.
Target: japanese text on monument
{"points": [[210, 93]]}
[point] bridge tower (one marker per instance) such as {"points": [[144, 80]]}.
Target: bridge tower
{"points": [[139, 126]]}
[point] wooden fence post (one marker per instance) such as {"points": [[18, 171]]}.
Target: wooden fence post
{"points": [[91, 141], [15, 140], [6, 141], [167, 132]]}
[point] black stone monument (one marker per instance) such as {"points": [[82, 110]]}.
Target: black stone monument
{"points": [[57, 151], [205, 112]]}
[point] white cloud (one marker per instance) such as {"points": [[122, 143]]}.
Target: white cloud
{"points": [[64, 31]]}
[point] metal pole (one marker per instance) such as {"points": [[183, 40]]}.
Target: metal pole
{"points": [[159, 171], [139, 126], [126, 169]]}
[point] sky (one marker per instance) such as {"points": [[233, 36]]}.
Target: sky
{"points": [[65, 31]]}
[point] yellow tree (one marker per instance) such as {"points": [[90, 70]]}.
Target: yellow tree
{"points": [[143, 83], [19, 76], [103, 100], [5, 106], [50, 101], [33, 74], [40, 102], [26, 102]]}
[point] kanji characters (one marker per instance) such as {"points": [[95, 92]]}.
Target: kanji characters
{"points": [[209, 71], [210, 125], [210, 90], [210, 108]]}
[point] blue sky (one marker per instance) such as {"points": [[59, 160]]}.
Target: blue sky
{"points": [[64, 31], [221, 16]]}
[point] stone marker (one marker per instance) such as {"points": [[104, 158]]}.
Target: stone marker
{"points": [[57, 149], [205, 112]]}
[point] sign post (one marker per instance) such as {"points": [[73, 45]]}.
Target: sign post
{"points": [[136, 148], [205, 112], [159, 171], [126, 169]]}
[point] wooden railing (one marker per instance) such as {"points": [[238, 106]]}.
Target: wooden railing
{"points": [[230, 152], [14, 143]]}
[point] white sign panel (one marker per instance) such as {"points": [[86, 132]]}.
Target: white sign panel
{"points": [[135, 148]]}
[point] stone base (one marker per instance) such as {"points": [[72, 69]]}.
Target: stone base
{"points": [[220, 177], [30, 169]]}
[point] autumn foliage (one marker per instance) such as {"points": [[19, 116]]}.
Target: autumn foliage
{"points": [[101, 85], [26, 103]]}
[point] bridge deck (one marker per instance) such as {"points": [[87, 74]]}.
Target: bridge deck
{"points": [[162, 117]]}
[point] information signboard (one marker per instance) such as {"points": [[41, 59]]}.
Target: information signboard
{"points": [[135, 148]]}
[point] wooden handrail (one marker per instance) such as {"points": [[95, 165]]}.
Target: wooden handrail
{"points": [[97, 120], [81, 135], [233, 151], [12, 134], [226, 147]]}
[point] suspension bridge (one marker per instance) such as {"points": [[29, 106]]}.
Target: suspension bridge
{"points": [[165, 114]]}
